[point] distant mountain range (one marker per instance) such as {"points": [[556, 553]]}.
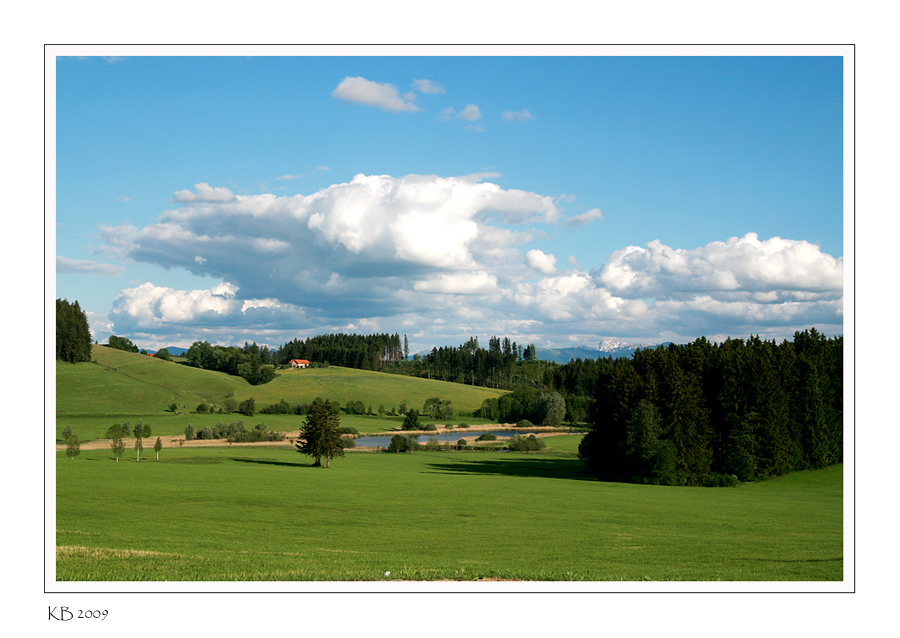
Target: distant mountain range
{"points": [[175, 351], [606, 348]]}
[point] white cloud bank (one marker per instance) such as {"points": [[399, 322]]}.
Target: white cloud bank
{"points": [[443, 257]]}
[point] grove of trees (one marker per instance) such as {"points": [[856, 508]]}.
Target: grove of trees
{"points": [[73, 334], [706, 413]]}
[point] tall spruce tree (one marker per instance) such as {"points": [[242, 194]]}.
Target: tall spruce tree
{"points": [[320, 435]]}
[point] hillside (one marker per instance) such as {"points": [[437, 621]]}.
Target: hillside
{"points": [[372, 388], [127, 383]]}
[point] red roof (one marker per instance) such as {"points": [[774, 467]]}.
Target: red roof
{"points": [[299, 361]]}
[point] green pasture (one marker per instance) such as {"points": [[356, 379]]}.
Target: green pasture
{"points": [[124, 383], [256, 514]]}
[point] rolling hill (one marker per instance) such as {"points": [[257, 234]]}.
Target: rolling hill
{"points": [[119, 382]]}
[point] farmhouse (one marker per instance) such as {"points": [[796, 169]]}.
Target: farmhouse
{"points": [[299, 363]]}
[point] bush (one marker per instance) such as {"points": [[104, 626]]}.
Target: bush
{"points": [[202, 408], [432, 444], [411, 420], [403, 443], [524, 423], [519, 443], [431, 427], [281, 407], [248, 407], [461, 444], [487, 436], [347, 429], [721, 480], [348, 443], [189, 432]]}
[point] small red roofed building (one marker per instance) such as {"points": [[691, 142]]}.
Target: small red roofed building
{"points": [[299, 363]]}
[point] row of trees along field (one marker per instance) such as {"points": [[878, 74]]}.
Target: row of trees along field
{"points": [[252, 362], [703, 413], [73, 334], [364, 352]]}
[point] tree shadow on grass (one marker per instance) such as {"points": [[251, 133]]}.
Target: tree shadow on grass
{"points": [[571, 469], [246, 459]]}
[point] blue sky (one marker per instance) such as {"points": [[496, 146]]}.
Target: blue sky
{"points": [[557, 200]]}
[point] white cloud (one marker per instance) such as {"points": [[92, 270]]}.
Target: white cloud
{"points": [[383, 96], [123, 198], [738, 264], [518, 116], [585, 218], [204, 194], [541, 261], [87, 267], [385, 250], [427, 86], [470, 113], [289, 176]]}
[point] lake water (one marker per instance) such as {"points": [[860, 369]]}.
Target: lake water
{"points": [[454, 436]]}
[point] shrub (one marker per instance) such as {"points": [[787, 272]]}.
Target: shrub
{"points": [[432, 444], [248, 407], [463, 425], [721, 480], [189, 432], [348, 443], [461, 444], [524, 423], [347, 429], [411, 420], [206, 433], [281, 407], [431, 427], [519, 443], [487, 436]]}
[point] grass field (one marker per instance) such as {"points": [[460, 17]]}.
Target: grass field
{"points": [[124, 383], [251, 514]]}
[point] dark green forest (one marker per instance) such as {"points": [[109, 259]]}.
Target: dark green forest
{"points": [[705, 413], [73, 334]]}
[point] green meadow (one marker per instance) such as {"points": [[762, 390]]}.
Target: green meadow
{"points": [[124, 383], [245, 513], [257, 514]]}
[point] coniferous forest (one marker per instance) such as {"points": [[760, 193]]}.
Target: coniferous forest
{"points": [[710, 414]]}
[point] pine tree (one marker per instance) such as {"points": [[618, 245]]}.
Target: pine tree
{"points": [[320, 435]]}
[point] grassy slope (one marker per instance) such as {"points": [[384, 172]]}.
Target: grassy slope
{"points": [[127, 383], [372, 388], [427, 516], [93, 396]]}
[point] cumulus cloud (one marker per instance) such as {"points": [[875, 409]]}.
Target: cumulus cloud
{"points": [[744, 264], [383, 96], [470, 113], [585, 218], [204, 193], [541, 261], [389, 251], [518, 116], [427, 86], [86, 267]]}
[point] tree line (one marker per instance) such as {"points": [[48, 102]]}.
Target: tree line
{"points": [[706, 413], [364, 352], [73, 334], [252, 362]]}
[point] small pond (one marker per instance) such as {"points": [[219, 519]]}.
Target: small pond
{"points": [[453, 435]]}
